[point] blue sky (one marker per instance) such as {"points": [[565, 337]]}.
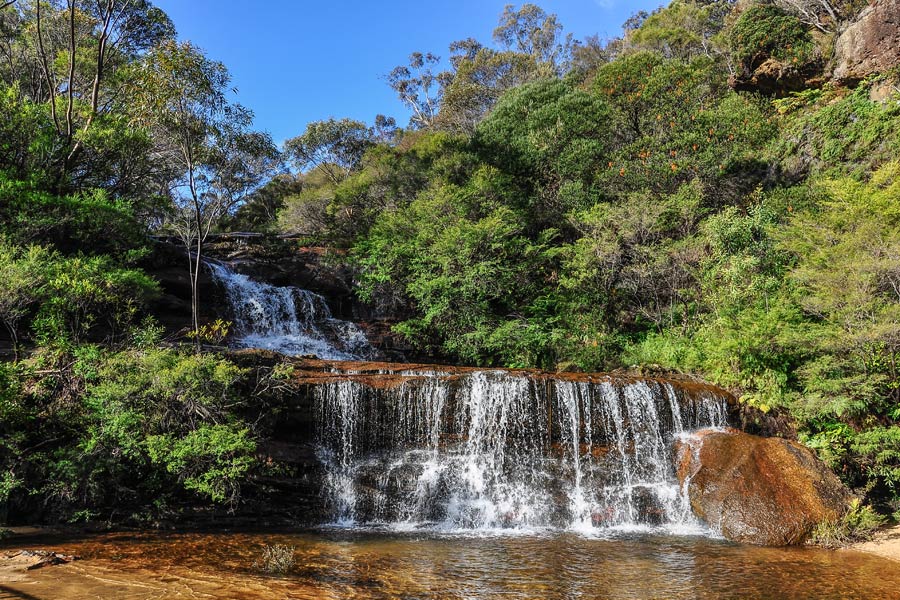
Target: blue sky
{"points": [[296, 61]]}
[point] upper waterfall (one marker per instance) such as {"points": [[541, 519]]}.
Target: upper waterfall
{"points": [[288, 320]]}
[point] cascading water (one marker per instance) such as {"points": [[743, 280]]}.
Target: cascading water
{"points": [[489, 450], [289, 320], [478, 450]]}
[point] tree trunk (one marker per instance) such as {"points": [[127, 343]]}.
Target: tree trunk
{"points": [[195, 285], [14, 338]]}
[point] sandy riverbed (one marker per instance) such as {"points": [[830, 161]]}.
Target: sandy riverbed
{"points": [[885, 544]]}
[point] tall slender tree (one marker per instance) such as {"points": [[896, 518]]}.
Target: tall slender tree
{"points": [[182, 98]]}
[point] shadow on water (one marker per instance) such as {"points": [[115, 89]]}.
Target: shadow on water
{"points": [[11, 594]]}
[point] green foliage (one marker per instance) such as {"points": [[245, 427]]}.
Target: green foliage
{"points": [[675, 121], [835, 133], [66, 297], [81, 292], [334, 146], [212, 333], [546, 132], [847, 280], [211, 460], [765, 30], [684, 29], [859, 524], [455, 260], [90, 221], [135, 426], [878, 452]]}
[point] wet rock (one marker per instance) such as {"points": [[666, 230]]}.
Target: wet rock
{"points": [[871, 44], [38, 559], [764, 491]]}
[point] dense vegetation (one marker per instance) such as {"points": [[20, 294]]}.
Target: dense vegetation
{"points": [[552, 203]]}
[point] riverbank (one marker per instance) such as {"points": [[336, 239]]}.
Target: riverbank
{"points": [[885, 543]]}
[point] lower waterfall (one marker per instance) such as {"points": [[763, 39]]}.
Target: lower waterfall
{"points": [[288, 320], [489, 450]]}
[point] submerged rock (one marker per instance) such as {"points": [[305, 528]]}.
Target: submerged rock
{"points": [[764, 491]]}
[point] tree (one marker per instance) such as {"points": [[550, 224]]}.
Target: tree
{"points": [[74, 56], [334, 146], [848, 275], [183, 101], [589, 55], [821, 14], [533, 32], [419, 88], [479, 82], [260, 210], [683, 30], [531, 47]]}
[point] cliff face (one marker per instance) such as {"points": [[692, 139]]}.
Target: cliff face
{"points": [[870, 44], [865, 44]]}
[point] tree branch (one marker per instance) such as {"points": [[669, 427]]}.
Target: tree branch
{"points": [[71, 87], [50, 83]]}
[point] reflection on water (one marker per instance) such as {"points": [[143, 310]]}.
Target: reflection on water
{"points": [[375, 565]]}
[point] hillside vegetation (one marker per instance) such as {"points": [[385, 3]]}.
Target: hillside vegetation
{"points": [[650, 201]]}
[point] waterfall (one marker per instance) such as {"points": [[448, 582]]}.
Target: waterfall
{"points": [[487, 450], [473, 450], [289, 320]]}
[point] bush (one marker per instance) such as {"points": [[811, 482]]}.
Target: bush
{"points": [[91, 429], [276, 559], [859, 524], [765, 30]]}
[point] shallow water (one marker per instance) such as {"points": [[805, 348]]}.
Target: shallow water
{"points": [[375, 565]]}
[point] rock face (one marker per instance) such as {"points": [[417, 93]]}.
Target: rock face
{"points": [[775, 78], [871, 44], [764, 491]]}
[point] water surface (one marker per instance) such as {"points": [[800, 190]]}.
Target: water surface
{"points": [[382, 565]]}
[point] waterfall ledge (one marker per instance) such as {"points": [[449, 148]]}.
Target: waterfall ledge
{"points": [[414, 446]]}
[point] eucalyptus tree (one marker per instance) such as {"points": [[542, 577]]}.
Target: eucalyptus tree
{"points": [[74, 56], [335, 147], [420, 87], [181, 97], [824, 15]]}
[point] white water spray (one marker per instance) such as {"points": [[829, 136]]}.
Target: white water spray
{"points": [[288, 320], [494, 450]]}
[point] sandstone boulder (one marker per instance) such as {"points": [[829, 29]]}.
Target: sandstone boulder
{"points": [[775, 78], [871, 44], [764, 491]]}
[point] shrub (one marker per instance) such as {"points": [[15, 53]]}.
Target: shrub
{"points": [[765, 30], [276, 559], [858, 524]]}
